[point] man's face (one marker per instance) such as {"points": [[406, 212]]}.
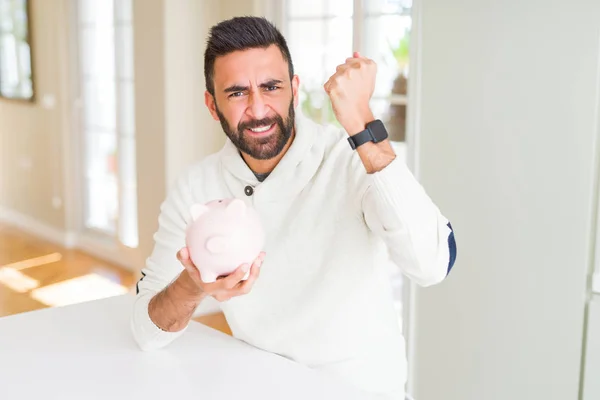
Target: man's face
{"points": [[254, 100]]}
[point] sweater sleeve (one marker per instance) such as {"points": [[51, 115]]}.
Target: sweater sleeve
{"points": [[162, 267], [419, 238]]}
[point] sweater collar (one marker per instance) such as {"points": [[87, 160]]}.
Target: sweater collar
{"points": [[293, 171]]}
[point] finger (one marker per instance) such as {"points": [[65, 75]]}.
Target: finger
{"points": [[221, 297], [255, 269], [183, 253], [351, 63], [234, 278], [193, 272], [183, 256], [332, 82], [262, 256], [246, 285], [356, 55]]}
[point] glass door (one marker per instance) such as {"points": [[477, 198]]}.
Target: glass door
{"points": [[321, 34], [106, 92]]}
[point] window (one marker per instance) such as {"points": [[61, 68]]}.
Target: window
{"points": [[107, 89], [16, 80], [323, 33]]}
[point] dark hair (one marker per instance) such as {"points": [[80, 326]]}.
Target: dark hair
{"points": [[241, 33]]}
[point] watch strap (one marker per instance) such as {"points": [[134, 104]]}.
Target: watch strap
{"points": [[375, 132], [360, 138]]}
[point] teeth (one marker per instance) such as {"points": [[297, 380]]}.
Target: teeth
{"points": [[261, 129]]}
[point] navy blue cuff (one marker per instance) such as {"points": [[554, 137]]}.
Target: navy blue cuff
{"points": [[451, 248]]}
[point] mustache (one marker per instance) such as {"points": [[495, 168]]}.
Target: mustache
{"points": [[258, 123]]}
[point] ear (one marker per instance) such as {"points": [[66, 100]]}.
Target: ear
{"points": [[217, 245], [236, 209], [211, 104], [295, 89], [197, 210]]}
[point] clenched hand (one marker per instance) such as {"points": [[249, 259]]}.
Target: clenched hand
{"points": [[226, 287]]}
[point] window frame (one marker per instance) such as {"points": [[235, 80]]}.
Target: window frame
{"points": [[280, 17], [28, 39]]}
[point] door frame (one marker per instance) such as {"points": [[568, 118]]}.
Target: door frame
{"points": [[92, 241]]}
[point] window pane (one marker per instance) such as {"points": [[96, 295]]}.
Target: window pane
{"points": [[97, 12], [317, 106], [386, 42], [307, 8], [123, 10], [126, 109], [127, 175], [305, 40], [319, 8], [101, 153], [6, 21], [342, 8], [15, 52], [101, 210], [15, 67], [8, 62], [393, 116], [124, 36], [101, 180], [318, 47], [387, 6], [106, 57], [99, 104], [97, 52]]}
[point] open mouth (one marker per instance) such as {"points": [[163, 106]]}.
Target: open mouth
{"points": [[261, 130]]}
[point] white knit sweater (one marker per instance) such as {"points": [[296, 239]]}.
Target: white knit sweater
{"points": [[323, 297]]}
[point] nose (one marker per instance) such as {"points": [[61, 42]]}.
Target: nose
{"points": [[257, 108]]}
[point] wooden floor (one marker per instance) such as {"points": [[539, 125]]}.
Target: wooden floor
{"points": [[28, 264]]}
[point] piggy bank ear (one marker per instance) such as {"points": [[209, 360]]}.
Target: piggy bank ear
{"points": [[197, 210], [236, 209]]}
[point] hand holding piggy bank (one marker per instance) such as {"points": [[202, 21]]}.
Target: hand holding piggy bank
{"points": [[223, 235]]}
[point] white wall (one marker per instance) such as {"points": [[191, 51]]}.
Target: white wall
{"points": [[507, 151], [173, 125], [192, 134], [592, 359], [236, 8], [32, 134]]}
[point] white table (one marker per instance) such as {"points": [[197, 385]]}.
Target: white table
{"points": [[86, 351]]}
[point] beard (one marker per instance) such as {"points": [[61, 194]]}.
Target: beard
{"points": [[260, 148]]}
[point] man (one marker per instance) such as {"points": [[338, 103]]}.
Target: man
{"points": [[336, 214]]}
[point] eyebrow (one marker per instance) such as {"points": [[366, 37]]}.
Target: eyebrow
{"points": [[240, 88]]}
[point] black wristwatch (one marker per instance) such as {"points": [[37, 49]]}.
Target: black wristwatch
{"points": [[375, 132]]}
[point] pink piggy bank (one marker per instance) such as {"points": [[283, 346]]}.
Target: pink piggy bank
{"points": [[223, 235]]}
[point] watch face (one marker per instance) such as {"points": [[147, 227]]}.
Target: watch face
{"points": [[378, 130]]}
